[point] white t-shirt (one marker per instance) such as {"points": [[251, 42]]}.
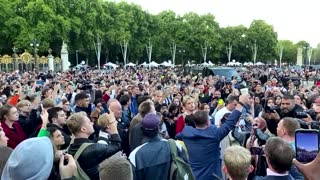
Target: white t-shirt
{"points": [[219, 115]]}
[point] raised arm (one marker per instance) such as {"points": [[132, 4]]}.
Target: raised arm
{"points": [[230, 123]]}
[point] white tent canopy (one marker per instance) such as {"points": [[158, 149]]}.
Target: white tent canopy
{"points": [[144, 64], [233, 64], [110, 64], [165, 63], [205, 64], [130, 64], [153, 64], [230, 64], [259, 64], [248, 64]]}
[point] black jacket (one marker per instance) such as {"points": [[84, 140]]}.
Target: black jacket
{"points": [[152, 160], [30, 124], [287, 177], [66, 134], [94, 154], [292, 113], [136, 136], [88, 109]]}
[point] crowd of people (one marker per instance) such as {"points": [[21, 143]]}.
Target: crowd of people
{"points": [[89, 124]]}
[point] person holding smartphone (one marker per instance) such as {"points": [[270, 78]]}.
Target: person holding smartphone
{"points": [[279, 156], [309, 170], [93, 153]]}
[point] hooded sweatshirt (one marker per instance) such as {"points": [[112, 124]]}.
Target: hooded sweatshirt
{"points": [[32, 159]]}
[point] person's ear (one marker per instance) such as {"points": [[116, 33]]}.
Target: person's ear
{"points": [[208, 122], [54, 120], [83, 129], [251, 169], [225, 170]]}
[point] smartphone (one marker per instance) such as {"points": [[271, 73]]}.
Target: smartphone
{"points": [[65, 160], [256, 151], [40, 82], [306, 145]]}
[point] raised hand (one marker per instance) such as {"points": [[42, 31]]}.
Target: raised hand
{"points": [[310, 170], [44, 117], [67, 166]]}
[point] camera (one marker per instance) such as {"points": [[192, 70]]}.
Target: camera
{"points": [[86, 86], [270, 109], [305, 125], [305, 113]]}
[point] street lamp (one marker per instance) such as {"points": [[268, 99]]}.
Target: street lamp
{"points": [[34, 45]]}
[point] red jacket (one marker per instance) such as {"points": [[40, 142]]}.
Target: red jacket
{"points": [[15, 135], [180, 124]]}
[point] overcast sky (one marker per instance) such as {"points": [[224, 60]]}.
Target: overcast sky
{"points": [[294, 20]]}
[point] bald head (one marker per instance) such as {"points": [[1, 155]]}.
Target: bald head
{"points": [[116, 108]]}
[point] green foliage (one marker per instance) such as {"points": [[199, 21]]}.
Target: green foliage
{"points": [[79, 22], [266, 39], [316, 54], [289, 54]]}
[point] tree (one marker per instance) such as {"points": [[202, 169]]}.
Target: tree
{"points": [[79, 22], [235, 35], [316, 54], [304, 45], [289, 51], [266, 40]]}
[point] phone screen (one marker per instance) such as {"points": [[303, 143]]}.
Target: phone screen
{"points": [[307, 145], [40, 82]]}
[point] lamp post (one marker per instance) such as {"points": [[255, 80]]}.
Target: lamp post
{"points": [[34, 45], [14, 49], [182, 52], [305, 56], [77, 60]]}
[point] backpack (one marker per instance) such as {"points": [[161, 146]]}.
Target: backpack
{"points": [[80, 174], [179, 169]]}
